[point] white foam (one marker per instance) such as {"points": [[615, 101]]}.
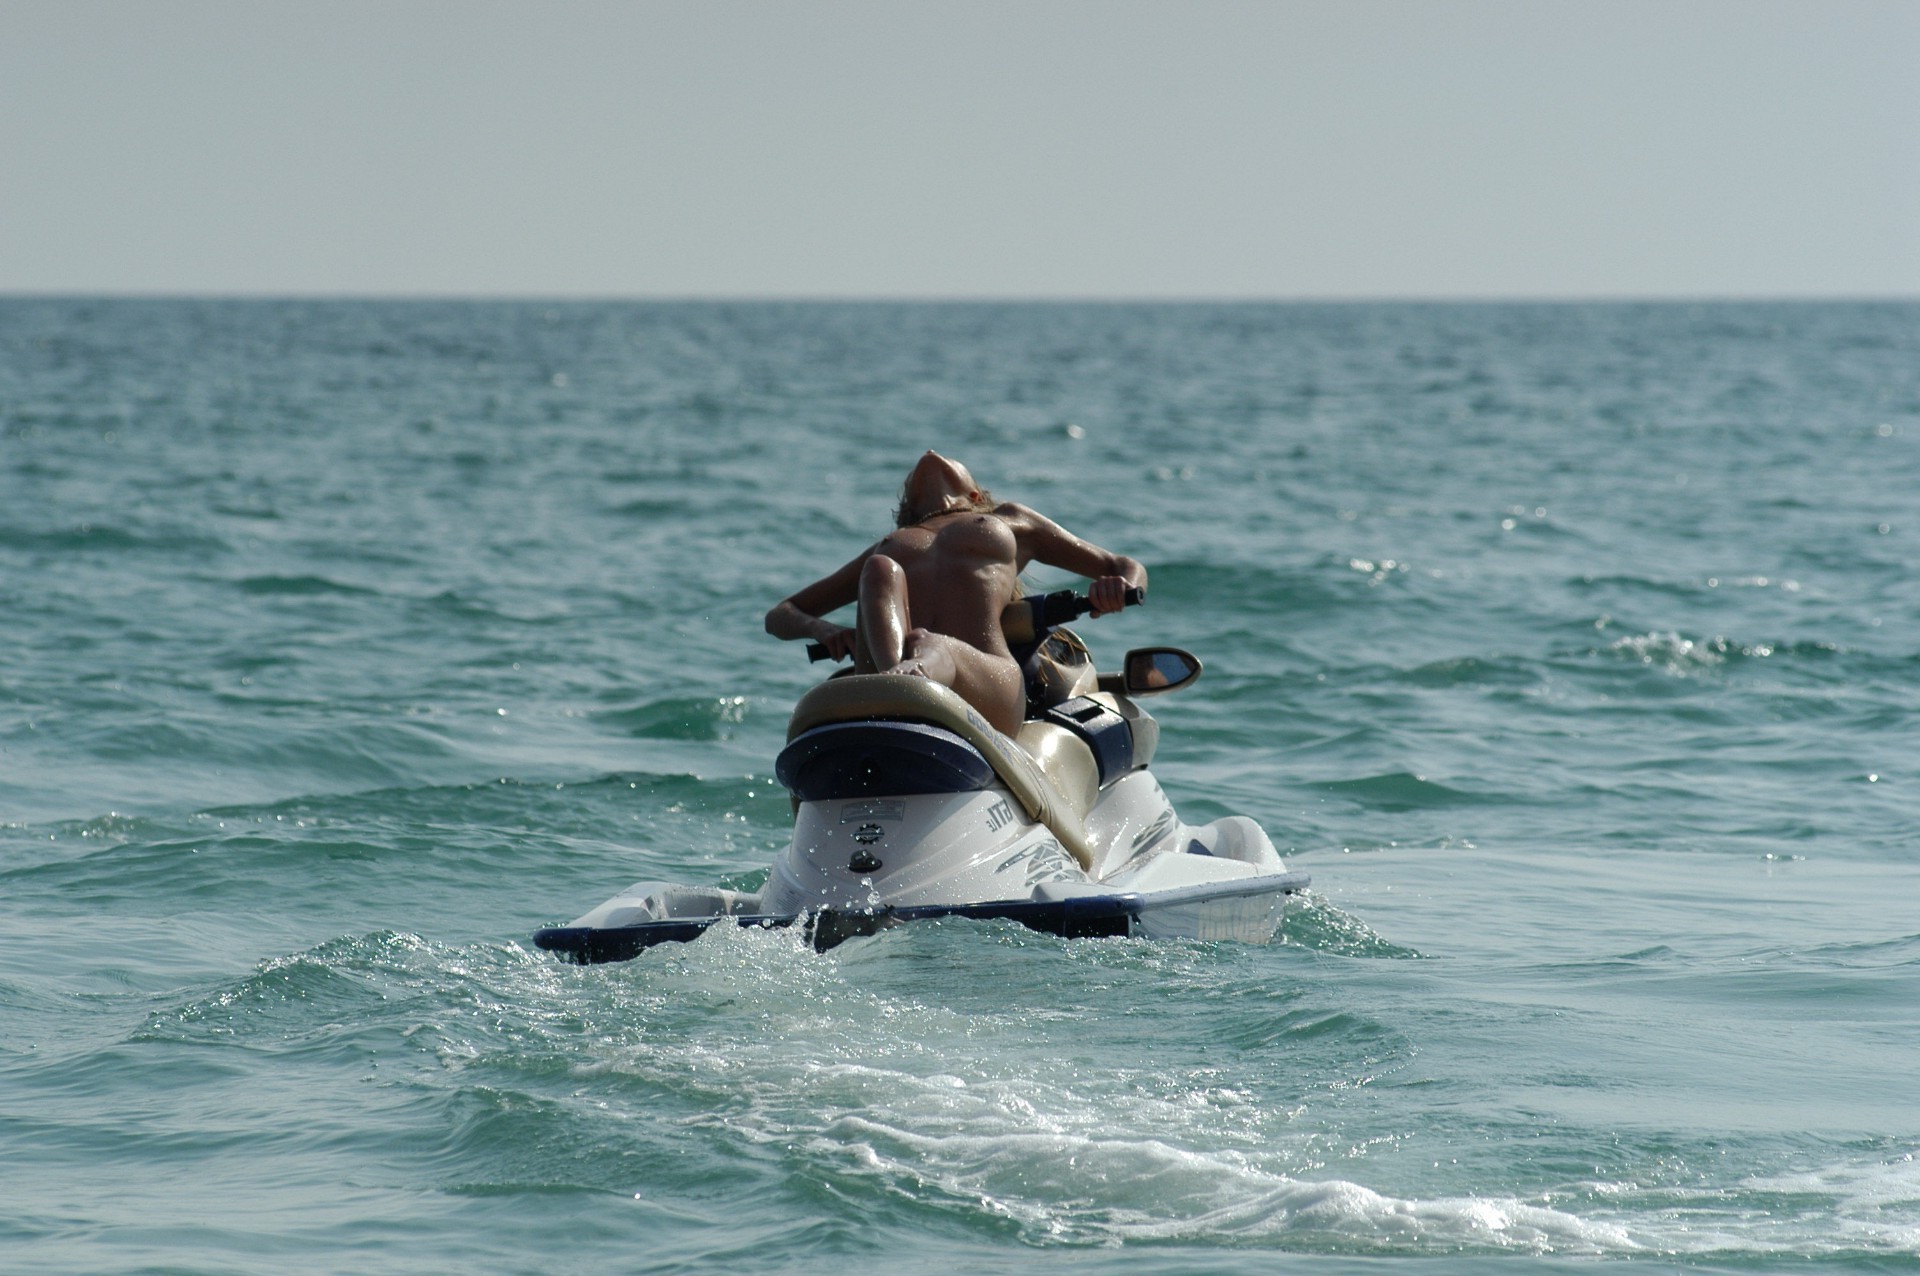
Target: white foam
{"points": [[990, 1110], [1075, 1187]]}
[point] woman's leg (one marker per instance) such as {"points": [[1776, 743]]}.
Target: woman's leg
{"points": [[885, 641], [882, 620]]}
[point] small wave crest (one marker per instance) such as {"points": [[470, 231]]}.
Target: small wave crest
{"points": [[1872, 1206], [106, 537], [680, 718], [1316, 923], [1678, 654], [1068, 1187], [305, 586], [365, 993], [1404, 791]]}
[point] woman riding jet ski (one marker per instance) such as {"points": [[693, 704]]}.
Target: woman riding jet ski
{"points": [[931, 593], [972, 763]]}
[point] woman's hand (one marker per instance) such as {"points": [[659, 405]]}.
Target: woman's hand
{"points": [[1108, 593], [837, 639]]}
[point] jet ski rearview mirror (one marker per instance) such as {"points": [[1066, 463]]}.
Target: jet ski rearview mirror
{"points": [[1151, 670]]}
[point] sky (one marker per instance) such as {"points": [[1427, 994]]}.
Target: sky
{"points": [[1274, 149]]}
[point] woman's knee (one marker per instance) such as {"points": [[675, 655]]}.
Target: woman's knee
{"points": [[882, 574]]}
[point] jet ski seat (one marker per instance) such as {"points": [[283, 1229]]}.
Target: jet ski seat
{"points": [[1050, 771]]}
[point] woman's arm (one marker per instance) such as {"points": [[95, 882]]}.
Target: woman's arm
{"points": [[1044, 541], [799, 616]]}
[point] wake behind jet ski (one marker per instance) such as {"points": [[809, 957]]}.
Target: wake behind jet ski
{"points": [[910, 805]]}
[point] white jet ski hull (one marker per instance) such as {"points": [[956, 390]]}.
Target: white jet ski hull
{"points": [[1218, 881]]}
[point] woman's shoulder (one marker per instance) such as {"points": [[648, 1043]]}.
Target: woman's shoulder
{"points": [[1025, 521], [903, 538], [1015, 515]]}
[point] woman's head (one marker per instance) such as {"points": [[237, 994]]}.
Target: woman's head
{"points": [[938, 485]]}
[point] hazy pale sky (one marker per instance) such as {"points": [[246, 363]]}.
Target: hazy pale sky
{"points": [[1045, 148]]}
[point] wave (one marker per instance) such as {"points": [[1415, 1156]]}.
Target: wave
{"points": [[1067, 1187], [1472, 671], [1404, 791], [1328, 588], [299, 586], [1316, 923], [680, 718], [94, 537], [552, 845], [348, 753], [1679, 654]]}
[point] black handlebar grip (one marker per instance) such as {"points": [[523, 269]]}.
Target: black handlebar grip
{"points": [[1067, 605]]}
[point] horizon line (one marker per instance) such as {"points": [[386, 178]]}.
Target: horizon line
{"points": [[984, 299]]}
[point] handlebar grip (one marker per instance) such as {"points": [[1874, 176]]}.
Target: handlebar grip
{"points": [[1058, 608]]}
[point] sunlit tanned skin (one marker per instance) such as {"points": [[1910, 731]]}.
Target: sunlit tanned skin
{"points": [[930, 593]]}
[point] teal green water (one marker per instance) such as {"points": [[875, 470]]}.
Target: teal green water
{"points": [[1571, 649]]}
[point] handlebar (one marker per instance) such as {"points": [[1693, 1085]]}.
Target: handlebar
{"points": [[1025, 618]]}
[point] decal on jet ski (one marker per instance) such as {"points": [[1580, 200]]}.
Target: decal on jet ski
{"points": [[877, 809], [999, 815], [1045, 861], [1160, 827]]}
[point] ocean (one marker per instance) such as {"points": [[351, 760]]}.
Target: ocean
{"points": [[1571, 649]]}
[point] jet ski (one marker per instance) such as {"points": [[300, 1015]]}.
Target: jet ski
{"points": [[908, 805]]}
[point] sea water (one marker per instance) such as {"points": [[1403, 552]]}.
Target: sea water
{"points": [[1572, 649]]}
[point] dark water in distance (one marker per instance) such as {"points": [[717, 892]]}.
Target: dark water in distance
{"points": [[1571, 648]]}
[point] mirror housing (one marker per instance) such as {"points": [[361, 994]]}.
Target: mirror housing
{"points": [[1151, 670]]}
